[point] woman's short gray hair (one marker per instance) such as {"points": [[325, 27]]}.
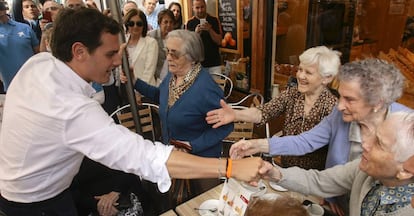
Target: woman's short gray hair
{"points": [[404, 135], [192, 45], [327, 60], [379, 80]]}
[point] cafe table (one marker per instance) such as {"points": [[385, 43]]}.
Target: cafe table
{"points": [[187, 208]]}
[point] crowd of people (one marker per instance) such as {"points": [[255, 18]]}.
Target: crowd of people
{"points": [[62, 154]]}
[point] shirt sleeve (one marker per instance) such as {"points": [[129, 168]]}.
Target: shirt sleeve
{"points": [[92, 132], [331, 182], [305, 142], [149, 91]]}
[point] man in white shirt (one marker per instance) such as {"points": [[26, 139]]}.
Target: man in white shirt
{"points": [[51, 122]]}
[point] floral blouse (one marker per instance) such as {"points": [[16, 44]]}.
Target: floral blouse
{"points": [[291, 103]]}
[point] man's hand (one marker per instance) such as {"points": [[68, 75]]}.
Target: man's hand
{"points": [[106, 204], [247, 169], [221, 116]]}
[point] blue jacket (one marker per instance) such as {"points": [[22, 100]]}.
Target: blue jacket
{"points": [[332, 131], [185, 120]]}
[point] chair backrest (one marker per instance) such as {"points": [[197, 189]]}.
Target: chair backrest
{"points": [[257, 99], [224, 82], [145, 114], [244, 130]]}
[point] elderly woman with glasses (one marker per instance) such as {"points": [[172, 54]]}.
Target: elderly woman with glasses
{"points": [[185, 96], [142, 50]]}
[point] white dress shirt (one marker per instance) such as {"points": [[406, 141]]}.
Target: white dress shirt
{"points": [[50, 122]]}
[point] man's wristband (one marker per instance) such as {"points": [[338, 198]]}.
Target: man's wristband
{"points": [[229, 166]]}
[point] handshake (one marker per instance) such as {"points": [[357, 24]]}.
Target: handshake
{"points": [[252, 169]]}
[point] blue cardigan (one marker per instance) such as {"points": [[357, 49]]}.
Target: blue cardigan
{"points": [[332, 131], [185, 120]]}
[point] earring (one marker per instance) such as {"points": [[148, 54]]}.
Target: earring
{"points": [[375, 110]]}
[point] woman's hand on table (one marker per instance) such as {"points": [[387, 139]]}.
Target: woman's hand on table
{"points": [[221, 116], [244, 148], [106, 203]]}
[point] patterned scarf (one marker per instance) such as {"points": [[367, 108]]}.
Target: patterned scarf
{"points": [[175, 92], [386, 199]]}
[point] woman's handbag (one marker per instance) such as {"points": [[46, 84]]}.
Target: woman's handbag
{"points": [[180, 189]]}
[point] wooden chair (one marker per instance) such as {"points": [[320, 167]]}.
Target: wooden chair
{"points": [[224, 82], [146, 118], [244, 130]]}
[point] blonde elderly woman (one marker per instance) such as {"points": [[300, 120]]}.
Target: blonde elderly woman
{"points": [[304, 106]]}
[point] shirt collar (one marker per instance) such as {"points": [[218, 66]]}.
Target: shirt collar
{"points": [[80, 85]]}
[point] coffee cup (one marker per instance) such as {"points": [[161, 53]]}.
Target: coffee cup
{"points": [[315, 210]]}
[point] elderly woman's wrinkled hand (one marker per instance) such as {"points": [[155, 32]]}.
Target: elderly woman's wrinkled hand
{"points": [[222, 116], [244, 148], [270, 172]]}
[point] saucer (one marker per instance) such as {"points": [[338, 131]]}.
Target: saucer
{"points": [[277, 187], [259, 190], [208, 204]]}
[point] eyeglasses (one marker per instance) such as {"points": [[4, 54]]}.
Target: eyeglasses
{"points": [[173, 53], [132, 23]]}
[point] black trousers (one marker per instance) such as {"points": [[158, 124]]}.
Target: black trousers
{"points": [[60, 205]]}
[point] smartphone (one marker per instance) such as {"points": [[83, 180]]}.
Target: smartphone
{"points": [[203, 21], [47, 16]]}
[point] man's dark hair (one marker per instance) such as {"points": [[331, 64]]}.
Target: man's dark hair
{"points": [[83, 25]]}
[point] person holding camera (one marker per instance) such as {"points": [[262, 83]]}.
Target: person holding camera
{"points": [[210, 32]]}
